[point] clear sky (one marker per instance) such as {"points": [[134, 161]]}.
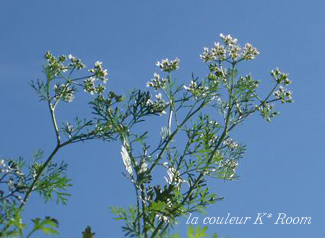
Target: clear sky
{"points": [[283, 170]]}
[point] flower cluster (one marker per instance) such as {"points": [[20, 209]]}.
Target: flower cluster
{"points": [[3, 166], [230, 50], [218, 52], [14, 178], [11, 167], [247, 82], [55, 65], [192, 87], [280, 77], [234, 51], [157, 82], [99, 72], [168, 65], [57, 68], [90, 86], [68, 129], [64, 91], [196, 90], [228, 39], [76, 63], [283, 94], [249, 52], [267, 112], [230, 143], [157, 106]]}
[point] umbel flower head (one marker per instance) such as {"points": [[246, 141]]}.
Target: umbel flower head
{"points": [[168, 65], [231, 50], [98, 74], [157, 82]]}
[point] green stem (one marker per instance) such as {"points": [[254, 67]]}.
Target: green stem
{"points": [[144, 211], [224, 134], [138, 210], [171, 137]]}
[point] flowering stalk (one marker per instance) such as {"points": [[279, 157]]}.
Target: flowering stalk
{"points": [[192, 112]]}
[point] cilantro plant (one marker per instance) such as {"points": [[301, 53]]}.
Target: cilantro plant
{"points": [[197, 119], [202, 115]]}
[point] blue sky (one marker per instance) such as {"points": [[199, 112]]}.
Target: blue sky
{"points": [[283, 170]]}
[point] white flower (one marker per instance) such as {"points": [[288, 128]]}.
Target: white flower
{"points": [[191, 87], [149, 102], [71, 57], [98, 64], [159, 96]]}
